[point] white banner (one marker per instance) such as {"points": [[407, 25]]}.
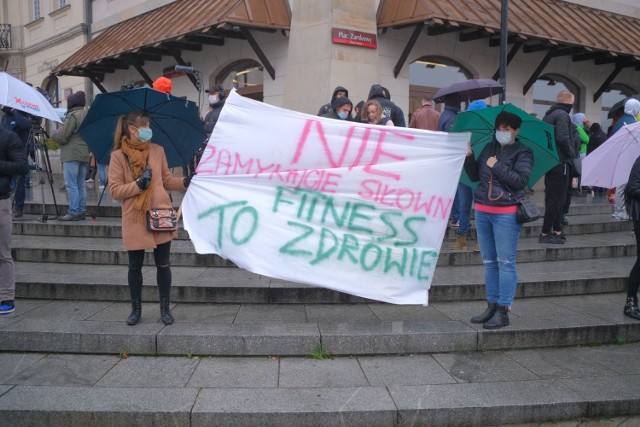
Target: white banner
{"points": [[352, 207]]}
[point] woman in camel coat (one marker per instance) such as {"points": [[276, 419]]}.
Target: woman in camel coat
{"points": [[139, 177]]}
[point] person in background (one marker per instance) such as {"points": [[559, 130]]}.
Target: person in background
{"points": [[464, 195], [163, 84], [338, 92], [217, 97], [448, 116], [74, 154], [13, 162], [372, 114], [596, 138], [389, 108], [632, 203], [503, 167], [139, 177], [341, 109], [425, 117], [14, 120], [631, 110], [357, 112], [556, 180]]}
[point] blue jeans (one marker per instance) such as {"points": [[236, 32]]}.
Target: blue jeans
{"points": [[498, 239], [20, 193], [455, 212], [74, 173], [465, 200], [102, 174]]}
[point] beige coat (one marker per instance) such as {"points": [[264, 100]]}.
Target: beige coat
{"points": [[123, 187]]}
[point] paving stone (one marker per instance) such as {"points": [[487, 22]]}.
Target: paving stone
{"points": [[229, 372], [403, 370], [66, 310], [13, 363], [494, 403], [87, 406], [340, 313], [397, 337], [239, 339], [390, 312], [119, 311], [282, 407], [487, 366], [72, 336], [622, 359], [65, 370], [339, 372], [269, 313], [150, 372], [560, 363], [608, 395], [205, 313]]}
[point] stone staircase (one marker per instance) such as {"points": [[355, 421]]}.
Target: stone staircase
{"points": [[251, 350]]}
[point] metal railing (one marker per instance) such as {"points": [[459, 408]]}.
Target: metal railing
{"points": [[5, 36]]}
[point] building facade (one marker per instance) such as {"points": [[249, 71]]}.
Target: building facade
{"points": [[292, 53]]}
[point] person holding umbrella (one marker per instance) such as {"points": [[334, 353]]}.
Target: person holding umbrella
{"points": [[502, 169], [139, 177], [632, 203], [631, 110]]}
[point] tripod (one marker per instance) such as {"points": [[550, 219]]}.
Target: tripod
{"points": [[36, 141]]}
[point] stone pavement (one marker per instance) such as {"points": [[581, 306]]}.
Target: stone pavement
{"points": [[252, 350]]}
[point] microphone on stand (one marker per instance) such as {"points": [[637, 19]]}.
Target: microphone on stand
{"points": [[186, 69]]}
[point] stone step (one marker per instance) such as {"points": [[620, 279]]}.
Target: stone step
{"points": [[109, 251], [571, 385], [29, 225], [38, 280], [98, 327]]}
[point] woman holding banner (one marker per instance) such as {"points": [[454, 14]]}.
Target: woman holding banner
{"points": [[502, 169], [139, 177]]}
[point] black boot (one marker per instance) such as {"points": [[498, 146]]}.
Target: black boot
{"points": [[488, 314], [136, 312], [165, 313], [499, 320], [631, 308]]}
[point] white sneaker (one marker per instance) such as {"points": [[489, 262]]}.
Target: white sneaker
{"points": [[101, 188], [623, 217]]}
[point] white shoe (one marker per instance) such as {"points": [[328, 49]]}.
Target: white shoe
{"points": [[101, 188], [621, 217]]}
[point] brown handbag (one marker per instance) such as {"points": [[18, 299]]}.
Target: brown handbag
{"points": [[162, 220]]}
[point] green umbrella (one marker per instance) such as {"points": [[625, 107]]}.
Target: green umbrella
{"points": [[534, 133]]}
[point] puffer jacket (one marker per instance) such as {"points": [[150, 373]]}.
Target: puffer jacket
{"points": [[72, 146], [513, 169], [13, 160], [565, 132], [632, 192]]}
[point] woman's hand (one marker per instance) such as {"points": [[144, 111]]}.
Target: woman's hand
{"points": [[469, 150], [492, 161]]}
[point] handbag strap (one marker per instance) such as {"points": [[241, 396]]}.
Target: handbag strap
{"points": [[503, 184]]}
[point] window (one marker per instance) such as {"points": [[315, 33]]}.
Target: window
{"points": [[62, 3], [36, 9]]}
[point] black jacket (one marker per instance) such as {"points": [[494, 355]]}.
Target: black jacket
{"points": [[13, 160], [513, 169], [632, 192], [565, 132], [389, 109], [211, 118], [326, 108]]}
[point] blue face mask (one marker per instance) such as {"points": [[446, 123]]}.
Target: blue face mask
{"points": [[144, 134], [342, 115]]}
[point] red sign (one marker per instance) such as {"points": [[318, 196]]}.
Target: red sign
{"points": [[355, 38]]}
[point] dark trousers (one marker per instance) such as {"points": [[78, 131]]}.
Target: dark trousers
{"points": [[556, 184], [20, 194], [161, 256], [634, 276]]}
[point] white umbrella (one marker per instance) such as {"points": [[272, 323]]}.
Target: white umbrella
{"points": [[609, 165], [20, 96]]}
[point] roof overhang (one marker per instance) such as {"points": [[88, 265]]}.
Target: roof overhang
{"points": [[555, 27], [184, 25]]}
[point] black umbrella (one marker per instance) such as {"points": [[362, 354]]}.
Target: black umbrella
{"points": [[470, 90], [618, 107]]}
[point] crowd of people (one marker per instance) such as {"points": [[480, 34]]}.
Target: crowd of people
{"points": [[139, 177]]}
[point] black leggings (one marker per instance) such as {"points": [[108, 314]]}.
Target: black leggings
{"points": [[161, 256], [634, 276]]}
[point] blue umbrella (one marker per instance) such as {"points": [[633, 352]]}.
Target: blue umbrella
{"points": [[175, 123]]}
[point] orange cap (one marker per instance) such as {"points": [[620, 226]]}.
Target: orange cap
{"points": [[163, 84]]}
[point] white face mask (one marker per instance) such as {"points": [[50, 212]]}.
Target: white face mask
{"points": [[213, 99], [503, 137]]}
